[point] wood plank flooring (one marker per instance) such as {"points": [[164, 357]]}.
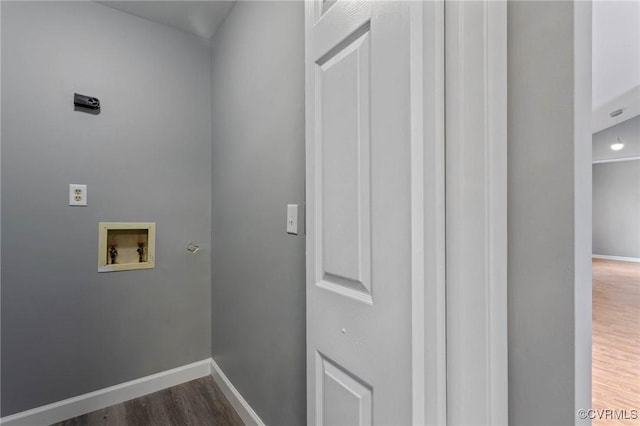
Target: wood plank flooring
{"points": [[198, 403], [616, 367], [616, 338]]}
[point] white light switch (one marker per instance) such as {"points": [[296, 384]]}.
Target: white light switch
{"points": [[292, 219], [77, 195]]}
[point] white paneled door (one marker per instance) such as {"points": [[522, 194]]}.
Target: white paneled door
{"points": [[374, 197]]}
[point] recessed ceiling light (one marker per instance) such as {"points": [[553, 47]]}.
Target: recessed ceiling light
{"points": [[617, 146]]}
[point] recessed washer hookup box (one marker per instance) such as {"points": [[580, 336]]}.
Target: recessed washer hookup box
{"points": [[124, 246]]}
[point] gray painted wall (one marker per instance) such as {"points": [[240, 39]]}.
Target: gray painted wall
{"points": [[549, 209], [67, 329], [629, 134], [258, 271], [616, 208]]}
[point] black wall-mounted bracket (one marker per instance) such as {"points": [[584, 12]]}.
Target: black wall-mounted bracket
{"points": [[86, 102]]}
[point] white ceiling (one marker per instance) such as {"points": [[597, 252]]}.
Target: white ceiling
{"points": [[201, 18], [616, 46], [616, 61]]}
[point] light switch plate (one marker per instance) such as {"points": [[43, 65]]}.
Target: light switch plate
{"points": [[77, 195], [292, 219]]}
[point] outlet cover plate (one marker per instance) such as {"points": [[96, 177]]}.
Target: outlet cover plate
{"points": [[77, 195]]}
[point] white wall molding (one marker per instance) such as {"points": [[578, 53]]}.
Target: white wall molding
{"points": [[242, 407], [620, 258], [476, 212], [615, 160], [82, 404]]}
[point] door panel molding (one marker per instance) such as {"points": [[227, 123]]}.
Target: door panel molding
{"points": [[342, 143], [346, 386]]}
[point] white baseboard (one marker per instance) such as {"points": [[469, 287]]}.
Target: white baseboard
{"points": [[82, 404], [79, 405], [621, 258], [242, 407]]}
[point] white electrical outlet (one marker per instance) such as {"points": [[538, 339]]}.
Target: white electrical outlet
{"points": [[77, 195]]}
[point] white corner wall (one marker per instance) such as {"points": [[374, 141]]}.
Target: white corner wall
{"points": [[549, 155]]}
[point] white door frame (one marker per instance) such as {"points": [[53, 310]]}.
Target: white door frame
{"points": [[429, 357], [476, 212]]}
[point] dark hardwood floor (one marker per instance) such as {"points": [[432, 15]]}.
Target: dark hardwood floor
{"points": [[198, 403]]}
